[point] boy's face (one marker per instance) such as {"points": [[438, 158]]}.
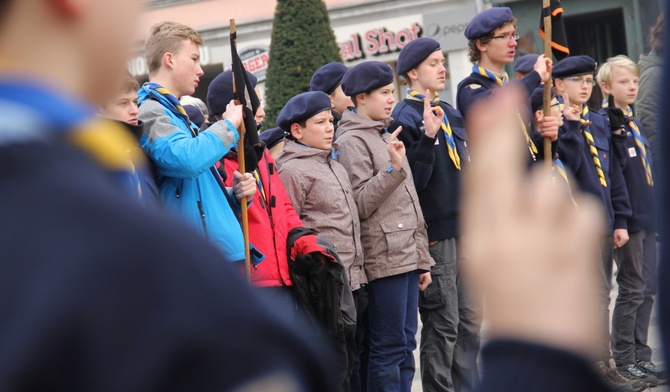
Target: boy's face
{"points": [[578, 88], [623, 86], [430, 74], [317, 132], [378, 104], [555, 110], [339, 101], [260, 113], [186, 68], [122, 108], [501, 49]]}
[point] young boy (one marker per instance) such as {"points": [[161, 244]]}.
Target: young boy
{"points": [[319, 186], [184, 157], [328, 79], [492, 39], [435, 138], [397, 262], [271, 215], [106, 294], [636, 259], [585, 147], [123, 109]]}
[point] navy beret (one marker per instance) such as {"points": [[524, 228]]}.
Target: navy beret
{"points": [[220, 91], [272, 136], [328, 77], [574, 66], [414, 53], [365, 77], [537, 98], [302, 107], [194, 114], [525, 63], [487, 21]]}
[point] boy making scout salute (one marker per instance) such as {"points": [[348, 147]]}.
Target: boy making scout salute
{"points": [[492, 39], [397, 263], [434, 135], [586, 149]]}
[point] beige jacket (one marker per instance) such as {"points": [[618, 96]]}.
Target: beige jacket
{"points": [[321, 194], [393, 230]]}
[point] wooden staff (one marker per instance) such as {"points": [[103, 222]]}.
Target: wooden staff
{"points": [[242, 169], [547, 85]]}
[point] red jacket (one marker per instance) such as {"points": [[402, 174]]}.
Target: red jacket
{"points": [[268, 228]]}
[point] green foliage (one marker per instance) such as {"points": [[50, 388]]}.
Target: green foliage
{"points": [[302, 41]]}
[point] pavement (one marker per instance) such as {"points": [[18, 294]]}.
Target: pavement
{"points": [[654, 343]]}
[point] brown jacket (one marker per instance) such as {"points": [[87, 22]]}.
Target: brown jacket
{"points": [[393, 230], [321, 194]]}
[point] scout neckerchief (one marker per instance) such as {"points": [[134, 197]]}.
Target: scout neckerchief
{"points": [[444, 125], [639, 141], [501, 80], [585, 125], [169, 101]]}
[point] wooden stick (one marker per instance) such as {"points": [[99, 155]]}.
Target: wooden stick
{"points": [[242, 169], [547, 85]]}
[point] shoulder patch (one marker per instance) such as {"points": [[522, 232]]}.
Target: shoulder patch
{"points": [[474, 86]]}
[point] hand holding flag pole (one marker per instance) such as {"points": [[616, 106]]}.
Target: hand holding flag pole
{"points": [[240, 155]]}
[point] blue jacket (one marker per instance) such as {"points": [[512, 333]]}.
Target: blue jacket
{"points": [[641, 194], [436, 179], [186, 185], [576, 156]]}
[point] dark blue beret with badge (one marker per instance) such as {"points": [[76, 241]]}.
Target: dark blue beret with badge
{"points": [[414, 53], [328, 77], [487, 21], [537, 98], [220, 91], [526, 63], [365, 77], [574, 66], [272, 136], [302, 107], [194, 114]]}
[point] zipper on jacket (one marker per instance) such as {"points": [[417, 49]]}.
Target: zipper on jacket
{"points": [[202, 217], [177, 194]]}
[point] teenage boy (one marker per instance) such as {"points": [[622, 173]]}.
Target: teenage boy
{"points": [[106, 294], [435, 139], [397, 262], [585, 147], [319, 186], [328, 79], [525, 64], [123, 109], [492, 40], [184, 157], [636, 260]]}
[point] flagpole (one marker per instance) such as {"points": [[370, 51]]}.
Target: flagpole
{"points": [[546, 6], [242, 169]]}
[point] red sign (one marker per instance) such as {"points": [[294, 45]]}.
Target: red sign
{"points": [[377, 41]]}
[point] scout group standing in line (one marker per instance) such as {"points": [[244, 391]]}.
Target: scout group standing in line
{"points": [[381, 182]]}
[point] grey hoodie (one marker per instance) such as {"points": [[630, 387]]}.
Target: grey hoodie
{"points": [[321, 194], [649, 99]]}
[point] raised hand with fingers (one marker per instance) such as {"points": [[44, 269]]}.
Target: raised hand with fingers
{"points": [[432, 117], [616, 116], [396, 150]]}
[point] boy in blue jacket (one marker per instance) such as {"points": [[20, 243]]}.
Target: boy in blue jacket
{"points": [[188, 183]]}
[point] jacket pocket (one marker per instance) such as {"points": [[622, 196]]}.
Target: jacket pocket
{"points": [[603, 146], [399, 241]]}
